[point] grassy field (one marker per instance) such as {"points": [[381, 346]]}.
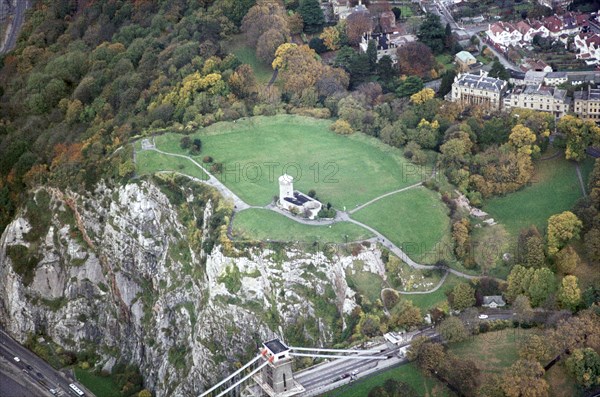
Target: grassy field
{"points": [[415, 220], [99, 385], [344, 170], [405, 11], [447, 60], [406, 373], [494, 351], [365, 283], [554, 189], [149, 162], [246, 54], [259, 224], [434, 299]]}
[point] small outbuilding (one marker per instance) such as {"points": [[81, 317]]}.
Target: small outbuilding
{"points": [[493, 301], [465, 59]]}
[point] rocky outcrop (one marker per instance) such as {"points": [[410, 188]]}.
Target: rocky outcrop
{"points": [[124, 270]]}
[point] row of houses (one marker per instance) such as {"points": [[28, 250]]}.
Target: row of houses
{"points": [[553, 79], [588, 47], [492, 93], [506, 34]]}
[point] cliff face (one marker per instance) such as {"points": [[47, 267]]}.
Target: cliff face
{"points": [[126, 271]]}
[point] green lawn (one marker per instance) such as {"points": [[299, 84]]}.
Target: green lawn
{"points": [[415, 220], [149, 162], [446, 60], [246, 54], [365, 283], [259, 224], [101, 386], [554, 189], [494, 351], [344, 170], [406, 373], [434, 299], [405, 11]]}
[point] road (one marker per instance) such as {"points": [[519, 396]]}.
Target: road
{"points": [[34, 367], [15, 27]]}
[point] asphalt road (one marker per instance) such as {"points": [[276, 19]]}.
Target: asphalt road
{"points": [[17, 22], [34, 367]]}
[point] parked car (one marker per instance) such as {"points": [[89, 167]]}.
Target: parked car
{"points": [[483, 316], [17, 359]]}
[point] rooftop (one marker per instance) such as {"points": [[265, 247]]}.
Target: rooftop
{"points": [[591, 94], [275, 346], [481, 82], [465, 57], [299, 199]]}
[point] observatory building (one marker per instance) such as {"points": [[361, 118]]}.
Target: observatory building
{"points": [[295, 201]]}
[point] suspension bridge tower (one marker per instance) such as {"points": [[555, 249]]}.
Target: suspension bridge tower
{"points": [[277, 377]]}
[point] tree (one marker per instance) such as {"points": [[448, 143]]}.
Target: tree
{"points": [[385, 69], [543, 283], [409, 86], [525, 379], [415, 58], [369, 325], [431, 357], [264, 14], [145, 393], [242, 82], [372, 53], [569, 294], [498, 71], [185, 142], [580, 135], [460, 235], [331, 38], [268, 44], [519, 280], [567, 260], [406, 315], [530, 250], [357, 24], [446, 83], [535, 348], [522, 308], [432, 33], [422, 96], [453, 329], [341, 127], [561, 229], [312, 15], [584, 365], [462, 296], [523, 139]]}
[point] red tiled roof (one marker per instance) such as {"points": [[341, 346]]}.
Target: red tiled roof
{"points": [[552, 23], [523, 27]]}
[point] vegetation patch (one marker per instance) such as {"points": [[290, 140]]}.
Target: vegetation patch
{"points": [[553, 189], [101, 386], [23, 261], [260, 224], [415, 220]]}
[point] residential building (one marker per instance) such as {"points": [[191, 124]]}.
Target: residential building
{"points": [[554, 25], [526, 31], [582, 78], [538, 28], [480, 90], [504, 34], [535, 65], [540, 98], [533, 77], [493, 301], [588, 47], [587, 103], [555, 78], [464, 60], [384, 45]]}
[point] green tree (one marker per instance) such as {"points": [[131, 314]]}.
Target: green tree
{"points": [[446, 83], [453, 329], [462, 296], [519, 280], [522, 307], [499, 71], [567, 260], [432, 33], [569, 294], [369, 325], [543, 283], [561, 229], [584, 365], [312, 15], [580, 135], [372, 53], [409, 86], [406, 315]]}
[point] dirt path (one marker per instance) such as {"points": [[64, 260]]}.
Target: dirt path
{"points": [[581, 183], [383, 196]]}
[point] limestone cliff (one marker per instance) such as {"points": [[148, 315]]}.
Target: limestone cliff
{"points": [[143, 273]]}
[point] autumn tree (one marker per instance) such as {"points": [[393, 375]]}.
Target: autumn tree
{"points": [[584, 365], [525, 379], [580, 135], [265, 26], [567, 260], [462, 296], [422, 96], [535, 348], [569, 294], [242, 82], [523, 140], [357, 24], [369, 325], [460, 235], [331, 38], [522, 307], [530, 249], [561, 229], [406, 315], [415, 59], [453, 329]]}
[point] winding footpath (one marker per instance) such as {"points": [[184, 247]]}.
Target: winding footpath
{"points": [[341, 216]]}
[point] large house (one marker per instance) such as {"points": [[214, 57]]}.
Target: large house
{"points": [[540, 98], [472, 89], [588, 47], [504, 34], [587, 103]]}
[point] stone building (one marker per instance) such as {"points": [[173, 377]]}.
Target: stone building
{"points": [[472, 89], [587, 103], [295, 201], [540, 98]]}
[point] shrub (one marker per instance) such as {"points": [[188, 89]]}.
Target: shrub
{"points": [[341, 127], [216, 168], [185, 142], [207, 159]]}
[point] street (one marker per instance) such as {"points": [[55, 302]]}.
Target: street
{"points": [[34, 368], [15, 28]]}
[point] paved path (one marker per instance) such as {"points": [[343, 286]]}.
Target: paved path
{"points": [[382, 196], [341, 216], [439, 284], [578, 170]]}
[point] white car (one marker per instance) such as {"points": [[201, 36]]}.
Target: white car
{"points": [[483, 316], [17, 359]]}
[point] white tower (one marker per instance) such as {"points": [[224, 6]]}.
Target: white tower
{"points": [[286, 186]]}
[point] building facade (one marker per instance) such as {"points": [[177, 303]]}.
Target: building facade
{"points": [[481, 90], [587, 103], [540, 98]]}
